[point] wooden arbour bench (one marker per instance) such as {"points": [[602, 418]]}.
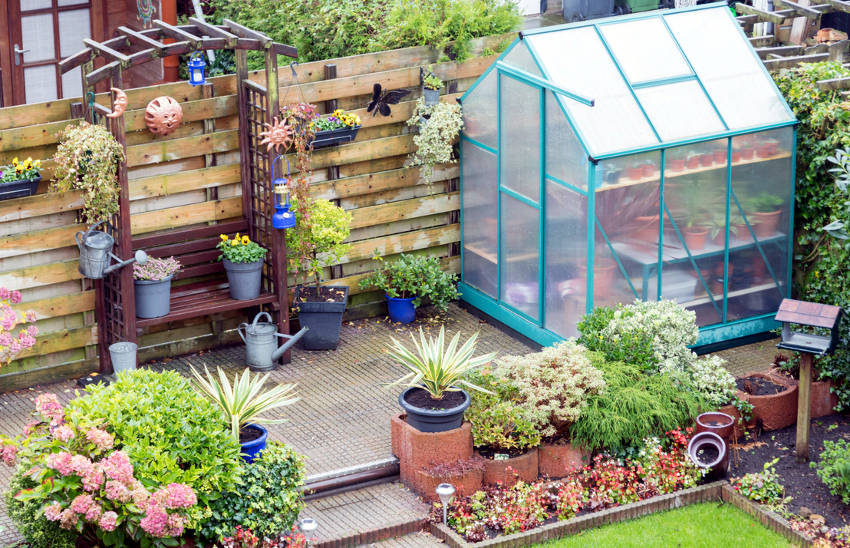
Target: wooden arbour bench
{"points": [[201, 288]]}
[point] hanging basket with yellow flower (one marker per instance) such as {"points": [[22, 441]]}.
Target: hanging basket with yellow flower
{"points": [[20, 178], [243, 262], [336, 128]]}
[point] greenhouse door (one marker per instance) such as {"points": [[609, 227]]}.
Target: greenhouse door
{"points": [[520, 197]]}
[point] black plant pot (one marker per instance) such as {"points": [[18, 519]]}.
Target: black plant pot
{"points": [[19, 189], [333, 137], [433, 420], [323, 318]]}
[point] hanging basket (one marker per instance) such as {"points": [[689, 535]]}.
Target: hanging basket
{"points": [[333, 137]]}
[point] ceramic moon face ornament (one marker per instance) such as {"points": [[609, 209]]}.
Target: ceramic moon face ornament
{"points": [[119, 105], [163, 115]]}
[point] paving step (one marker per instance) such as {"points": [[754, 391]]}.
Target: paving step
{"points": [[419, 539], [369, 515]]}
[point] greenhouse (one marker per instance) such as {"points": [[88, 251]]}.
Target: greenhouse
{"points": [[651, 150]]}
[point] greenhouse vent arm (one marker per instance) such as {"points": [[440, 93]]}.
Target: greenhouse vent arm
{"points": [[510, 69]]}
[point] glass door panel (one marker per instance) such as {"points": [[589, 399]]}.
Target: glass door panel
{"points": [[520, 256]]}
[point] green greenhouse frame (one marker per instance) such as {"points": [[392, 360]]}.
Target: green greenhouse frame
{"points": [[652, 151]]}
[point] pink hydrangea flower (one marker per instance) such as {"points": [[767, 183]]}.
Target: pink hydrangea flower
{"points": [[82, 503], [108, 521], [8, 453], [102, 439], [117, 491], [15, 297], [80, 464], [4, 293], [118, 467], [175, 525], [5, 339], [93, 513], [52, 511], [140, 496], [63, 433], [179, 495], [61, 462], [155, 522], [48, 405], [93, 477], [31, 317], [68, 519]]}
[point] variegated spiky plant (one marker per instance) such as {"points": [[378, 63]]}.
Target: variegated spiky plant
{"points": [[438, 369], [244, 400]]}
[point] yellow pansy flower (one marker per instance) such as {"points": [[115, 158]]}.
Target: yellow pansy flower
{"points": [[15, 161], [234, 242], [223, 237], [236, 237], [246, 240]]}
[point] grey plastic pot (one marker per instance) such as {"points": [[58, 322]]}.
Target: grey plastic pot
{"points": [[324, 320], [123, 356], [432, 96], [244, 279], [433, 420], [153, 298]]}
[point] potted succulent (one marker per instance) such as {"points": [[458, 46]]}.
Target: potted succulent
{"points": [[435, 140], [242, 402], [152, 286], [317, 241], [336, 128], [19, 179], [434, 400], [243, 262], [431, 86], [766, 208], [410, 279]]}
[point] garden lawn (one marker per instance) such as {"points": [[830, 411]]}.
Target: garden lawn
{"points": [[707, 525]]}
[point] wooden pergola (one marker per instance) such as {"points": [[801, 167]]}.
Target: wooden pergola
{"points": [[206, 293]]}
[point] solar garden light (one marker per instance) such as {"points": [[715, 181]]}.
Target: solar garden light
{"points": [[446, 492], [308, 527], [196, 66]]}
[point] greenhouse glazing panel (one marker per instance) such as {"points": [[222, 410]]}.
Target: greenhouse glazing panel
{"points": [[479, 120], [566, 160], [565, 253], [627, 226], [480, 225], [679, 110], [520, 134], [578, 60], [645, 50], [728, 68], [521, 58], [519, 264], [759, 222]]}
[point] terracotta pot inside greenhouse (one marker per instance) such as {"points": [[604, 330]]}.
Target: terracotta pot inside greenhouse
{"points": [[766, 223]]}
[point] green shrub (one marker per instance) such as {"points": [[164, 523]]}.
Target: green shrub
{"points": [[170, 432], [633, 406], [834, 468], [28, 518], [497, 421], [414, 276], [266, 500]]}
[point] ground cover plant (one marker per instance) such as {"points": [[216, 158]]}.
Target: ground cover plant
{"points": [[763, 487], [834, 468], [694, 526]]}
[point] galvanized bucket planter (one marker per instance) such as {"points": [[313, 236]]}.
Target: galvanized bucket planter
{"points": [[153, 297], [244, 279], [123, 356]]}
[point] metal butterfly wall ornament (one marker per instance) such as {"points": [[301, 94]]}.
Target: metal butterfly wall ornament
{"points": [[381, 103]]}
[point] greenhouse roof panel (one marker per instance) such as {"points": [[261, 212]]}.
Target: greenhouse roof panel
{"points": [[658, 78]]}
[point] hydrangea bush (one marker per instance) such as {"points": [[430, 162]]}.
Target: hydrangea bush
{"points": [[12, 344], [85, 485]]}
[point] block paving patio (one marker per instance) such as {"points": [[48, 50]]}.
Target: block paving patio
{"points": [[342, 419]]}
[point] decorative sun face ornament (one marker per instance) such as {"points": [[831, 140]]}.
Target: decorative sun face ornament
{"points": [[163, 115], [279, 134], [119, 105]]}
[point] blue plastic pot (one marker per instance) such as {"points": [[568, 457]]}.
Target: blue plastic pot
{"points": [[401, 310], [253, 448]]}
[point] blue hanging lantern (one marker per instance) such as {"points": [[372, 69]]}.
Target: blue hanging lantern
{"points": [[196, 66], [283, 217]]}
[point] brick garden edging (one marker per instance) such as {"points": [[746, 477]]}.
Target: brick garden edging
{"points": [[719, 490]]}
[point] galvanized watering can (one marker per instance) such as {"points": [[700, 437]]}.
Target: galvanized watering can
{"points": [[96, 251], [261, 348]]}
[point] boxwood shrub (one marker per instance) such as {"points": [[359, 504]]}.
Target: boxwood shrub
{"points": [[266, 499], [170, 432], [29, 519]]}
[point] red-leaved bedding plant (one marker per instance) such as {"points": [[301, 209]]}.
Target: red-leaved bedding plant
{"points": [[661, 466], [244, 538], [87, 486]]}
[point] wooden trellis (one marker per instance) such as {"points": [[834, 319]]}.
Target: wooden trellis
{"points": [[115, 306]]}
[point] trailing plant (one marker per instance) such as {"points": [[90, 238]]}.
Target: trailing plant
{"points": [[439, 126], [634, 406], [763, 487], [85, 485], [156, 269], [20, 171], [240, 249], [553, 385], [87, 160], [317, 239], [437, 368], [12, 344], [266, 500], [242, 401], [498, 422], [170, 433], [414, 276], [833, 468]]}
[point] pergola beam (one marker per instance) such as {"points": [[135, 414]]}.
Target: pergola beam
{"points": [[245, 32], [141, 38], [216, 32], [108, 52], [804, 11], [178, 33], [103, 72]]}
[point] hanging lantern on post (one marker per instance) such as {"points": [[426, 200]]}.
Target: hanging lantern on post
{"points": [[196, 66], [283, 217]]}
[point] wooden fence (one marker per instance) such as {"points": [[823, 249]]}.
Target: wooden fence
{"points": [[192, 176]]}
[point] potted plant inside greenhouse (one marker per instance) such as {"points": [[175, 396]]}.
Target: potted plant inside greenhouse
{"points": [[410, 279], [243, 263], [19, 179], [434, 399], [152, 286], [336, 128], [318, 241], [431, 86], [242, 401], [767, 209]]}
